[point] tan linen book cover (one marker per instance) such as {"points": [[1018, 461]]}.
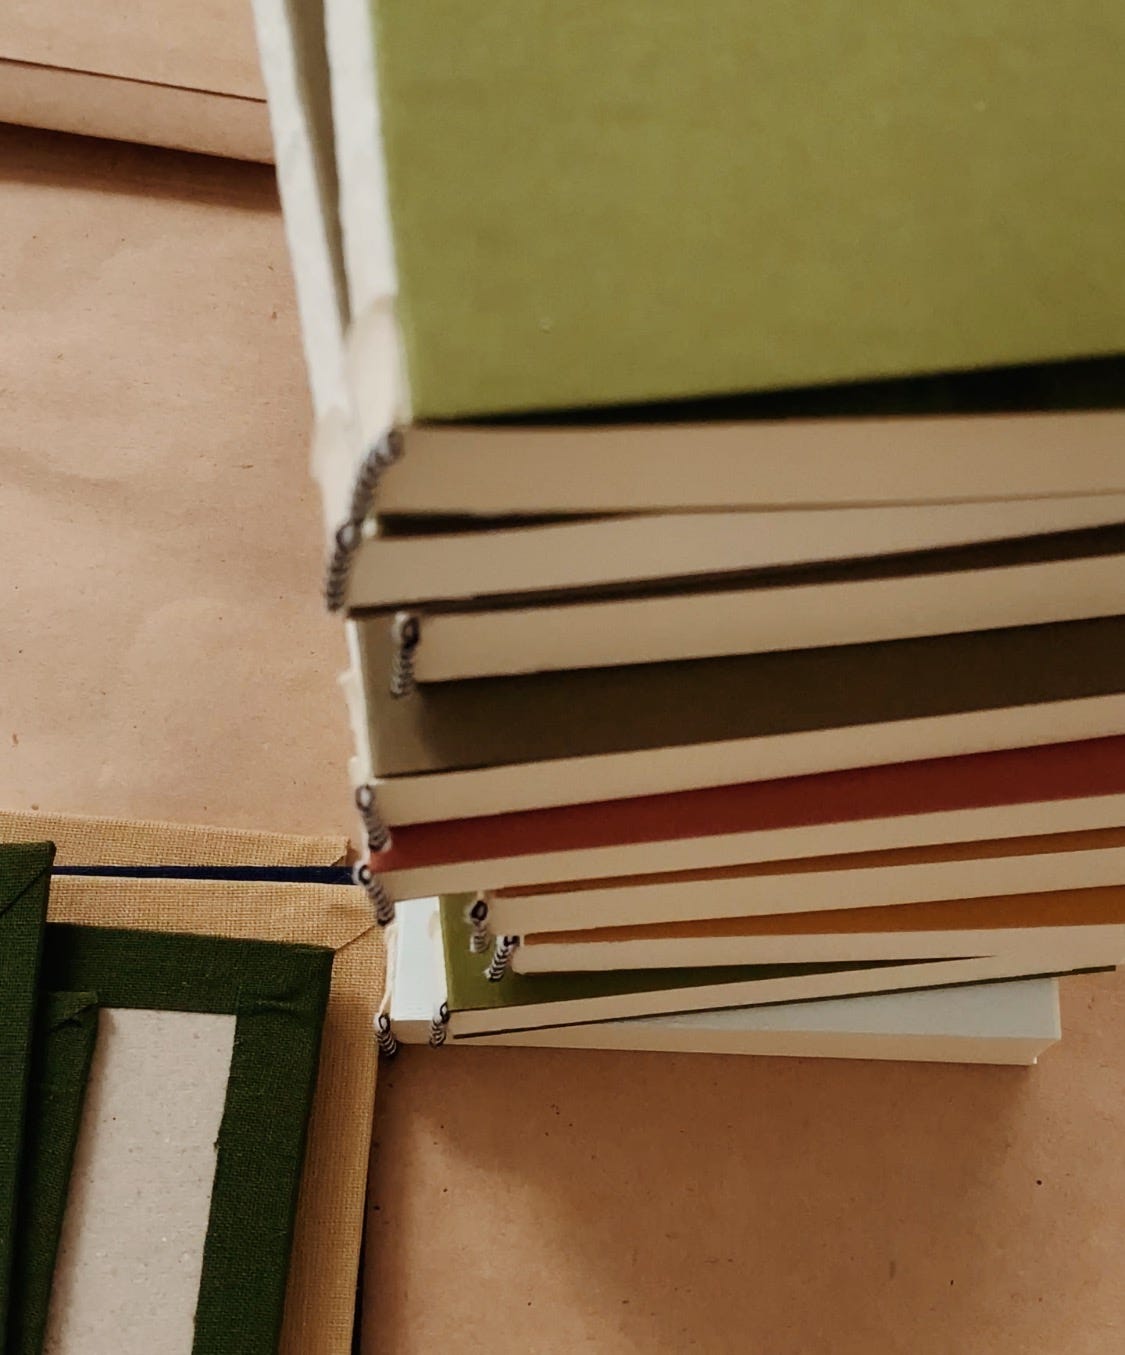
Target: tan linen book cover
{"points": [[320, 1301]]}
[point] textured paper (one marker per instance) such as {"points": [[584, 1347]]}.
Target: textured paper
{"points": [[131, 1252], [625, 1202], [160, 72], [320, 1302], [205, 46], [162, 540], [992, 1023], [325, 1256]]}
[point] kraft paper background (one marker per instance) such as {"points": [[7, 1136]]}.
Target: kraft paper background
{"points": [[523, 1200], [166, 653]]}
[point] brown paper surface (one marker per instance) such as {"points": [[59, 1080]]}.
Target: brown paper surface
{"points": [[320, 1300], [134, 110], [205, 45], [165, 651], [618, 1203]]}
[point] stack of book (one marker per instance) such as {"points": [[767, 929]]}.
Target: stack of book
{"points": [[720, 426]]}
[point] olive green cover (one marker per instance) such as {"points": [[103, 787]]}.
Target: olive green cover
{"points": [[468, 989], [25, 876], [627, 201], [483, 722]]}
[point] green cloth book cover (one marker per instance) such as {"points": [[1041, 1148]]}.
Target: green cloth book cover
{"points": [[25, 881], [598, 204]]}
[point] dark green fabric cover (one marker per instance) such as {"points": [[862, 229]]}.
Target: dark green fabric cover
{"points": [[279, 994], [66, 1031], [24, 886]]}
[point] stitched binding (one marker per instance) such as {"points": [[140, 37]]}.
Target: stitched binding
{"points": [[378, 834], [373, 887], [501, 958], [406, 631], [349, 534], [477, 917], [385, 1036], [438, 1024]]}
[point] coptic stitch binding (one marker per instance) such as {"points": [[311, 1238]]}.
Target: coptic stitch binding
{"points": [[349, 534]]}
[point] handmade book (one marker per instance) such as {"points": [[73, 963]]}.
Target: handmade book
{"points": [[1067, 576], [477, 1004], [813, 884], [651, 206], [490, 746], [1042, 925], [423, 559], [1021, 432], [992, 1023], [246, 885], [1024, 432], [1057, 787]]}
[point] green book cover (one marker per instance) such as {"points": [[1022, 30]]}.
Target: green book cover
{"points": [[482, 722], [625, 202], [25, 876]]}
